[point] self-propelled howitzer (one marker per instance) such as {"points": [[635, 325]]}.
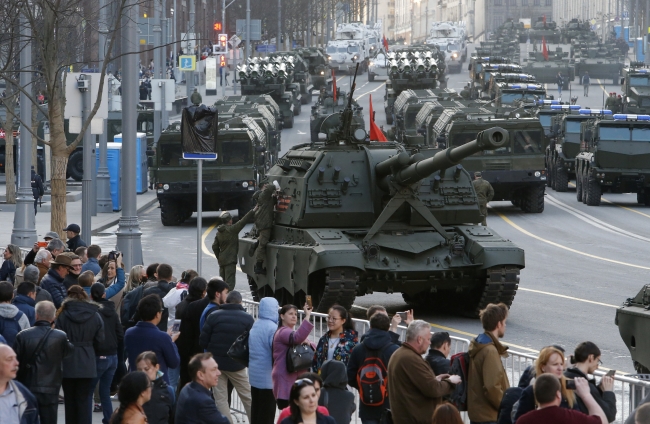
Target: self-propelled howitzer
{"points": [[355, 217]]}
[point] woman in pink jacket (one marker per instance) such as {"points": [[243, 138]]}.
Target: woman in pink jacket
{"points": [[282, 379]]}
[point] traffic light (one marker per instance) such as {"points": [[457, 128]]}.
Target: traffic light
{"points": [[223, 42], [222, 60], [217, 26]]}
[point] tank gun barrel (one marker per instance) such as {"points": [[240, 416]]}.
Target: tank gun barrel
{"points": [[485, 140]]}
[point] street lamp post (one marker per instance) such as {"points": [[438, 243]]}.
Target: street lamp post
{"points": [[104, 203]]}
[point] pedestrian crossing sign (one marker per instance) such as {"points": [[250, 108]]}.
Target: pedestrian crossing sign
{"points": [[187, 63]]}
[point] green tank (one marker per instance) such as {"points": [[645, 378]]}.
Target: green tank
{"points": [[614, 157], [574, 29], [545, 71], [635, 87], [633, 321], [545, 29], [319, 69], [356, 217], [244, 156], [326, 113], [606, 67]]}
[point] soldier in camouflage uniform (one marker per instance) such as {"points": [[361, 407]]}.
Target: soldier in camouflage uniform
{"points": [[196, 98], [266, 199], [465, 93], [484, 193], [225, 245]]}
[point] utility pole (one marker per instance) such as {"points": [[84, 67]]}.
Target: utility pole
{"points": [[163, 62], [128, 230], [24, 231], [158, 65], [248, 30], [88, 150], [279, 36], [104, 203], [189, 75]]}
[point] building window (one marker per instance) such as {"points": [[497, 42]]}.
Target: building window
{"points": [[524, 2], [537, 2], [549, 2], [498, 3]]}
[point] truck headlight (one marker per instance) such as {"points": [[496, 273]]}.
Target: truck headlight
{"points": [[322, 72], [244, 184], [166, 186], [537, 174]]}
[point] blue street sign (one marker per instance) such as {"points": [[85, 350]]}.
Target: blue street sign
{"points": [[199, 156], [266, 48], [187, 63]]}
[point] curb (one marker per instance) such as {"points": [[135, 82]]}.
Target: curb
{"points": [[102, 227]]}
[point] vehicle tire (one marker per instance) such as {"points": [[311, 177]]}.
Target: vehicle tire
{"points": [[304, 99], [533, 201], [560, 179], [297, 109], [288, 122], [646, 199], [389, 119], [640, 198], [584, 186], [578, 185], [170, 213], [516, 200], [594, 191], [75, 165], [371, 77], [549, 173]]}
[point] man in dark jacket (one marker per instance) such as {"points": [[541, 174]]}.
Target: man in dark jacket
{"points": [[335, 382], [195, 404], [188, 341], [164, 285], [75, 269], [146, 335], [38, 190], [43, 376], [219, 332], [379, 340], [30, 275], [52, 282], [438, 353], [12, 320], [74, 240], [16, 402], [106, 352], [25, 300], [226, 244]]}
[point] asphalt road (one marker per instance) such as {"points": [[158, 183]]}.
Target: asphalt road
{"points": [[581, 262]]}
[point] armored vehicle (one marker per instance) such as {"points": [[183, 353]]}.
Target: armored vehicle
{"points": [[545, 71], [608, 67], [506, 94], [635, 86], [516, 169], [357, 217], [418, 97], [615, 157], [545, 112], [328, 106], [573, 29], [429, 115], [301, 74], [244, 157], [261, 100], [547, 30], [406, 125], [319, 69], [633, 321]]}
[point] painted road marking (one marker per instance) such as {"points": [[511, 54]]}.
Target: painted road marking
{"points": [[371, 91], [569, 297], [618, 204]]}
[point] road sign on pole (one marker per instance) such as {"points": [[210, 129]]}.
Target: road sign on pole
{"points": [[187, 63]]}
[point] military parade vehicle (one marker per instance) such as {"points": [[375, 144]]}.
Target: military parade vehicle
{"points": [[356, 217], [545, 112], [263, 99], [351, 46], [260, 76], [516, 169], [409, 68], [319, 69], [429, 115], [378, 66], [506, 94], [545, 71], [301, 74], [327, 106], [614, 157], [512, 30], [633, 321], [600, 64], [547, 30], [476, 68], [406, 113], [243, 157], [574, 29], [635, 87]]}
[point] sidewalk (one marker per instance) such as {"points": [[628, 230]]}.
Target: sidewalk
{"points": [[99, 223]]}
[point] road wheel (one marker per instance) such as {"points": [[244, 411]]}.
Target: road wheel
{"points": [[578, 184], [288, 122], [593, 191], [533, 201], [297, 109], [75, 165], [560, 178], [170, 213]]}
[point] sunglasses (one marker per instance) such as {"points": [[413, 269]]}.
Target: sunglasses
{"points": [[303, 382]]}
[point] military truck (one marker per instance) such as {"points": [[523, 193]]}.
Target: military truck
{"points": [[406, 125], [516, 170], [319, 69], [409, 68], [506, 93], [632, 319], [545, 71], [263, 99], [544, 29], [301, 74], [357, 217], [635, 87], [327, 106], [243, 158], [429, 115], [614, 157]]}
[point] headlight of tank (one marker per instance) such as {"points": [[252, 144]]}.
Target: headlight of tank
{"points": [[166, 186]]}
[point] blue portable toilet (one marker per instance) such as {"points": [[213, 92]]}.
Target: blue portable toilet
{"points": [[640, 56], [141, 168], [114, 163], [617, 31]]}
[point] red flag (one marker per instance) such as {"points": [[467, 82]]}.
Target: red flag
{"points": [[385, 43], [376, 134], [334, 85], [544, 18], [544, 49]]}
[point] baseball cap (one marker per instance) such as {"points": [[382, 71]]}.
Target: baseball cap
{"points": [[73, 227], [51, 235]]}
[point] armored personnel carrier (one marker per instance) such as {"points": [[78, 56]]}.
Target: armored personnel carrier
{"points": [[244, 156], [633, 321], [600, 67], [635, 86], [319, 69], [328, 106], [358, 217], [574, 29], [409, 68], [547, 30], [614, 157], [515, 170], [545, 71]]}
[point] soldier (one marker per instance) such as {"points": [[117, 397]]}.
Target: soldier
{"points": [[225, 245], [619, 104], [484, 192], [266, 199], [196, 98], [465, 93], [609, 103]]}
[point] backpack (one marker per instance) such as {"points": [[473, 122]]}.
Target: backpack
{"points": [[9, 331], [129, 307], [460, 366], [372, 378]]}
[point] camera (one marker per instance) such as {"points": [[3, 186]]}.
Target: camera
{"points": [[113, 254]]}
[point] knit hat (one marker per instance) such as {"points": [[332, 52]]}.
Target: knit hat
{"points": [[97, 291]]}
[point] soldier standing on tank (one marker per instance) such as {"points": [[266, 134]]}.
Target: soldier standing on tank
{"points": [[225, 245], [484, 193], [266, 199], [465, 93], [196, 98]]}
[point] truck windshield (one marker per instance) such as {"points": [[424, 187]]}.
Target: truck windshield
{"points": [[645, 101], [641, 134], [545, 120], [639, 82], [331, 49], [235, 152], [453, 47], [171, 154], [614, 133], [527, 141], [353, 49], [573, 126]]}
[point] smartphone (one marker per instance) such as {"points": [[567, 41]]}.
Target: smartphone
{"points": [[41, 244], [611, 373], [176, 326], [402, 315], [309, 301], [570, 384]]}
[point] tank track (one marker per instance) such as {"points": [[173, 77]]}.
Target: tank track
{"points": [[500, 286], [340, 288]]}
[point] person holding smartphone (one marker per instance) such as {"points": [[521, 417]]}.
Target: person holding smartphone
{"points": [[337, 343]]}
